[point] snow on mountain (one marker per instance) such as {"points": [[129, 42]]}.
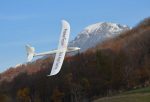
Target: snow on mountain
{"points": [[97, 33]]}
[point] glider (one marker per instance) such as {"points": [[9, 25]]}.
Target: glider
{"points": [[60, 52]]}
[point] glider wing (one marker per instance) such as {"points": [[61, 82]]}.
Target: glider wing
{"points": [[62, 48]]}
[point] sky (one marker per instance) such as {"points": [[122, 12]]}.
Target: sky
{"points": [[38, 22]]}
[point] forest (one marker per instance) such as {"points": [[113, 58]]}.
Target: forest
{"points": [[114, 66]]}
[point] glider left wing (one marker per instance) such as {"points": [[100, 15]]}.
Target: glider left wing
{"points": [[62, 48]]}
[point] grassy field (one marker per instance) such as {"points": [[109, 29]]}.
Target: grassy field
{"points": [[139, 95]]}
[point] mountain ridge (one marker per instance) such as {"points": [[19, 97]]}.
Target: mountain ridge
{"points": [[97, 33], [117, 65], [102, 31]]}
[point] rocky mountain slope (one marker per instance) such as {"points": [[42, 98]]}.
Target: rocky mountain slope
{"points": [[97, 33]]}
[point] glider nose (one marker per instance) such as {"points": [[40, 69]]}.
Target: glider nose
{"points": [[78, 48]]}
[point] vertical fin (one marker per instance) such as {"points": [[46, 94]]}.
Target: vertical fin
{"points": [[30, 52]]}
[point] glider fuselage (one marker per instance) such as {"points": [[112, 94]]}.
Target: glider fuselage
{"points": [[69, 49]]}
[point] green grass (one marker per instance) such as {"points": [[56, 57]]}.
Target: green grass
{"points": [[142, 90], [138, 95]]}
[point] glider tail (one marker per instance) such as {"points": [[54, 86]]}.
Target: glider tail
{"points": [[30, 52]]}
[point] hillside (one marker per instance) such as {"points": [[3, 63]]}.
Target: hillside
{"points": [[89, 37], [117, 65], [29, 68], [139, 95]]}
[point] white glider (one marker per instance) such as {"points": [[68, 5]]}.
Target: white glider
{"points": [[60, 52]]}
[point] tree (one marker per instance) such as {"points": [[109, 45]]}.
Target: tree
{"points": [[23, 95], [57, 95]]}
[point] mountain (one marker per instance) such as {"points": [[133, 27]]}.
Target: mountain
{"points": [[97, 33], [119, 64], [89, 37]]}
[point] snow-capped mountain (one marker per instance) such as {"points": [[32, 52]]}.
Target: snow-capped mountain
{"points": [[97, 33]]}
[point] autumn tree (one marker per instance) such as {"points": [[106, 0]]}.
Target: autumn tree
{"points": [[23, 95]]}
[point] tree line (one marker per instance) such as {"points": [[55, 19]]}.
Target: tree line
{"points": [[117, 65]]}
